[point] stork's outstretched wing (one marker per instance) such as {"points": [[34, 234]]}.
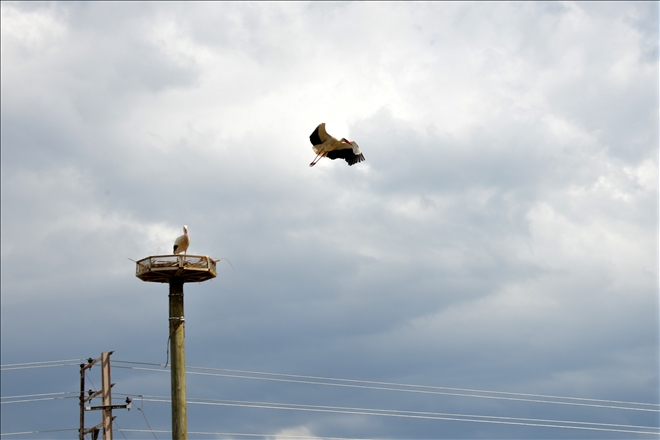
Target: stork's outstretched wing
{"points": [[319, 135], [350, 155]]}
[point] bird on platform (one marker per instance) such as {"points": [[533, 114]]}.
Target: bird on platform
{"points": [[182, 242], [325, 145]]}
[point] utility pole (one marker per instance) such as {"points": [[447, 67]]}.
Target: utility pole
{"points": [[107, 395], [106, 399], [178, 357], [83, 368], [177, 270]]}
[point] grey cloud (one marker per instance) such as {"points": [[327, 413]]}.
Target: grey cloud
{"points": [[514, 253]]}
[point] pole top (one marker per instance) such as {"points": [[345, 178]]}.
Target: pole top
{"points": [[184, 268]]}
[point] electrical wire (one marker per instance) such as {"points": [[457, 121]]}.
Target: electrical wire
{"points": [[295, 405], [420, 415], [114, 421], [400, 388], [360, 384], [607, 427], [38, 432], [91, 381], [406, 385], [41, 362], [38, 395], [430, 387], [35, 366], [38, 400], [145, 416]]}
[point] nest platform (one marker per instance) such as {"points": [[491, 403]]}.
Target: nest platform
{"points": [[184, 268]]}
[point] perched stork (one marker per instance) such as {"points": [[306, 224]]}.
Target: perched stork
{"points": [[181, 244], [325, 145]]}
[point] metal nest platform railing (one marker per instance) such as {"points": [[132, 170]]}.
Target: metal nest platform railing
{"points": [[185, 268]]}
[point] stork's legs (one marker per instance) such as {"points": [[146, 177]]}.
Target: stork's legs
{"points": [[317, 158]]}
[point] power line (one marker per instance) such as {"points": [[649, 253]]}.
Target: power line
{"points": [[302, 407], [548, 423], [370, 385], [403, 387], [38, 395], [428, 386], [429, 416], [406, 385], [34, 366], [293, 406], [385, 411], [114, 421], [41, 362], [388, 411], [38, 400], [145, 416], [523, 397], [39, 432]]}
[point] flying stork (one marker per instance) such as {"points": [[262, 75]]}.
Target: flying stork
{"points": [[325, 145], [182, 242]]}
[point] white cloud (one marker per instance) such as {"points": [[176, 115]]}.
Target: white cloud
{"points": [[294, 433], [34, 31]]}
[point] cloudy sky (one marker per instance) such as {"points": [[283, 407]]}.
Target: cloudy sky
{"points": [[502, 234]]}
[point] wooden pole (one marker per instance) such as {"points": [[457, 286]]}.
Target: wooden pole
{"points": [[81, 434], [106, 388], [178, 361]]}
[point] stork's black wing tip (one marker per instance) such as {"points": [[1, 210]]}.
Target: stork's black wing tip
{"points": [[346, 154], [355, 159], [314, 138]]}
